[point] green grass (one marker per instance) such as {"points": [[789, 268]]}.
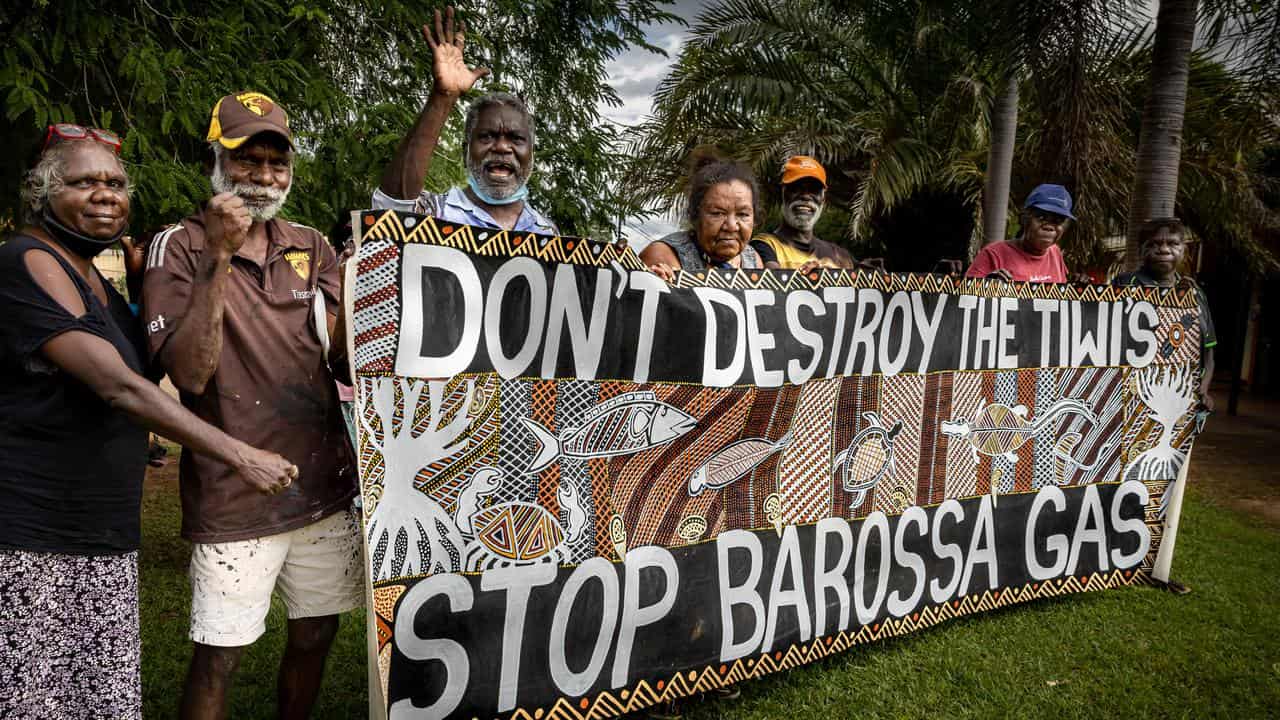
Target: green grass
{"points": [[1130, 653], [165, 600]]}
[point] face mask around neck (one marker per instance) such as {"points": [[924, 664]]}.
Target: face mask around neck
{"points": [[82, 245], [515, 197]]}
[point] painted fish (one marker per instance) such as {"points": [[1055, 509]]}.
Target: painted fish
{"points": [[733, 461], [868, 458], [623, 425]]}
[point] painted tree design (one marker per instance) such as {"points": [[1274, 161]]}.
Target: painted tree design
{"points": [[409, 532], [1169, 394]]}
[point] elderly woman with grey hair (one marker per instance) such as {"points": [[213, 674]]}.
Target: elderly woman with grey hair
{"points": [[723, 202], [75, 409]]}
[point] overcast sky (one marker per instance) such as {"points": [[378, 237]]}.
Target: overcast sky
{"points": [[635, 75]]}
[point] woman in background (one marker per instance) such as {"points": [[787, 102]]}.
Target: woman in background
{"points": [[723, 204]]}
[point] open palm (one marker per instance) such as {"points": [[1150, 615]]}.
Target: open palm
{"points": [[452, 76]]}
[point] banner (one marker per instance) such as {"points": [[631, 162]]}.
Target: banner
{"points": [[587, 491]]}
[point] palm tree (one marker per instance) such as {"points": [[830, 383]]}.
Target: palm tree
{"points": [[995, 190], [1231, 135], [896, 99], [1155, 186], [878, 92], [1245, 35]]}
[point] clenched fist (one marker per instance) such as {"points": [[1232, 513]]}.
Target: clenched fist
{"points": [[266, 472], [227, 222]]}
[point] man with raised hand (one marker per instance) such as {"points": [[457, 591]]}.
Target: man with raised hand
{"points": [[499, 140], [241, 312], [794, 246]]}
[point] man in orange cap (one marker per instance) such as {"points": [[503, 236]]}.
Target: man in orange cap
{"points": [[241, 312], [793, 245]]}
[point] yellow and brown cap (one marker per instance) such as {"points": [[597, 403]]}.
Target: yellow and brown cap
{"points": [[242, 115], [799, 167]]}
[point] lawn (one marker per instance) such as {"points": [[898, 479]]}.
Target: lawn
{"points": [[1137, 652]]}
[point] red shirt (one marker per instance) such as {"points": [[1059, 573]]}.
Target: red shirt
{"points": [[1022, 265]]}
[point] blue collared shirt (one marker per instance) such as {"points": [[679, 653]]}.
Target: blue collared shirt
{"points": [[456, 206]]}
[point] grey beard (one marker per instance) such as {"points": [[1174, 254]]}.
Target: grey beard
{"points": [[263, 203], [476, 170], [802, 224]]}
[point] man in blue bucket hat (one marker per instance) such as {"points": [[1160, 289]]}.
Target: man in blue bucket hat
{"points": [[1034, 255]]}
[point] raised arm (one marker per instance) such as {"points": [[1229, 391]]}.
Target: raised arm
{"points": [[190, 354], [406, 172]]}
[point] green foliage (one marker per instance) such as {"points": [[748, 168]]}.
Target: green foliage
{"points": [[1228, 181], [891, 97], [895, 98], [352, 76]]}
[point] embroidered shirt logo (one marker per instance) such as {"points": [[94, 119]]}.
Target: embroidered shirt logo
{"points": [[301, 262]]}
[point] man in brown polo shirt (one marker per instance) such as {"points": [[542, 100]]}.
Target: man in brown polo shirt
{"points": [[232, 295]]}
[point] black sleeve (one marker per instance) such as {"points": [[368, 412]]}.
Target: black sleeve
{"points": [[765, 250], [31, 316], [1208, 336]]}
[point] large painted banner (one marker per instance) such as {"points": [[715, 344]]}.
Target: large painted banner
{"points": [[587, 491]]}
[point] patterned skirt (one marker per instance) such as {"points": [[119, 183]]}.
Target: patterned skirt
{"points": [[69, 636]]}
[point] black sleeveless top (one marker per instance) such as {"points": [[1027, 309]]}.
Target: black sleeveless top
{"points": [[71, 467]]}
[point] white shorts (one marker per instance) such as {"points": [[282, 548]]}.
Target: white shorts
{"points": [[319, 570]]}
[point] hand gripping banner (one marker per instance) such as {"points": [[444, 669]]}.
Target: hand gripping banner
{"points": [[587, 491]]}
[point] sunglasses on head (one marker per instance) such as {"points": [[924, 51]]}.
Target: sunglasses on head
{"points": [[1045, 216], [67, 131]]}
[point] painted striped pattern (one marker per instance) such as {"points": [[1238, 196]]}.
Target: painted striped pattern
{"points": [[376, 306], [1103, 390], [966, 400], [1002, 472], [901, 398], [574, 398], [809, 456], [656, 482]]}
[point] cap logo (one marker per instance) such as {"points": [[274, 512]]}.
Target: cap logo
{"points": [[256, 103]]}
